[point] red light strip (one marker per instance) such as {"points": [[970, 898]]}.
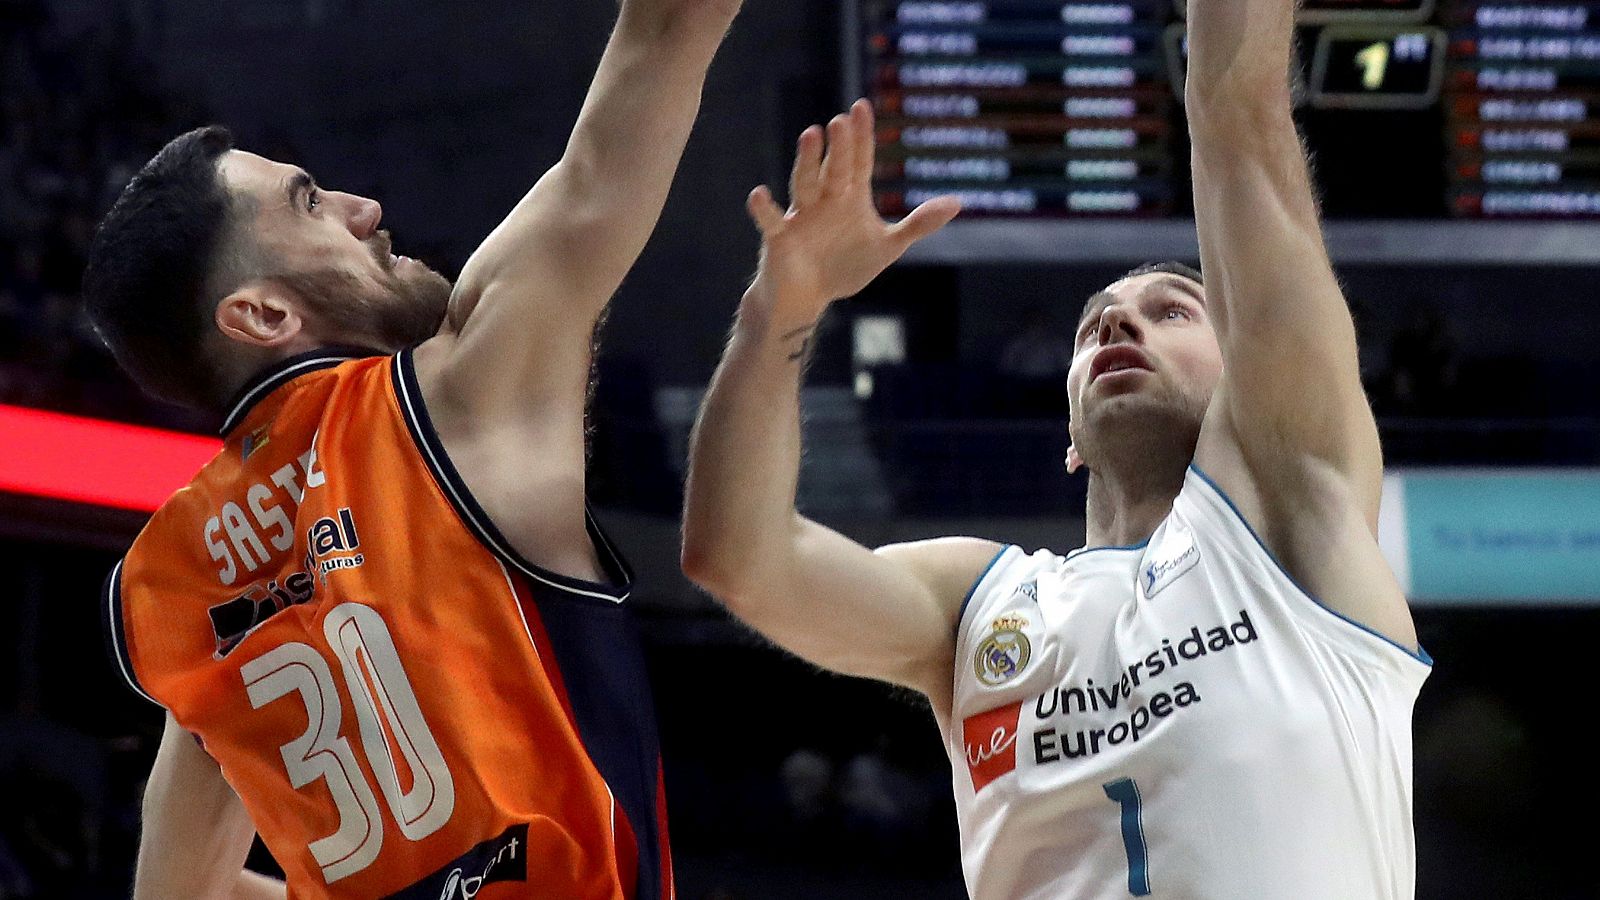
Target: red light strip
{"points": [[63, 457]]}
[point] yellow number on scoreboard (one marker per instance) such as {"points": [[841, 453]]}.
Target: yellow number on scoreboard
{"points": [[1374, 64]]}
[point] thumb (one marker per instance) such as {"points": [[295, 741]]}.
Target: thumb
{"points": [[927, 218], [764, 210]]}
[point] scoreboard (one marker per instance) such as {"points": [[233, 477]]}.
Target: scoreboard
{"points": [[1063, 109]]}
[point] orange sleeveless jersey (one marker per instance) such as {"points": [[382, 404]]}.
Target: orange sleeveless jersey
{"points": [[406, 707]]}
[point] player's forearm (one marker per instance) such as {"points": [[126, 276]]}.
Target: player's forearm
{"points": [[1288, 343], [1238, 67], [744, 461], [1255, 207], [584, 224], [196, 833], [630, 136]]}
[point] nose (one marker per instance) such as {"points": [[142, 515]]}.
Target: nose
{"points": [[1117, 325], [361, 215]]}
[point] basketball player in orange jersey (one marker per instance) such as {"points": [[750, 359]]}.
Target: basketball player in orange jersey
{"points": [[388, 636], [1212, 698]]}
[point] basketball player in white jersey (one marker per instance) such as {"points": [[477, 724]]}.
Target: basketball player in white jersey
{"points": [[1212, 698]]}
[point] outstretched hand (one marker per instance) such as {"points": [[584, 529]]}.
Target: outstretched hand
{"points": [[831, 242]]}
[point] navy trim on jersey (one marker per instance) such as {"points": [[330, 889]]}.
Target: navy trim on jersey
{"points": [[1419, 654], [962, 614], [116, 638], [409, 395], [282, 372], [600, 655]]}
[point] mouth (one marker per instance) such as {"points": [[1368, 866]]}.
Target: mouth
{"points": [[382, 247], [1118, 358]]}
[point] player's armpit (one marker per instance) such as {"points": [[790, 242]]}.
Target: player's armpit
{"points": [[196, 832]]}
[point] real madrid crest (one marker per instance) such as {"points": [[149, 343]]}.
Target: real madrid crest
{"points": [[1004, 653]]}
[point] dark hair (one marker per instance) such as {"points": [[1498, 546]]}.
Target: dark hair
{"points": [[1169, 268], [152, 263]]}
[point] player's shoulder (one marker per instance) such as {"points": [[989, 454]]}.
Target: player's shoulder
{"points": [[963, 570], [274, 441], [945, 562]]}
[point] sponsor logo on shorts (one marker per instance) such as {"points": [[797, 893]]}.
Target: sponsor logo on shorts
{"points": [[1004, 653], [504, 858], [991, 743]]}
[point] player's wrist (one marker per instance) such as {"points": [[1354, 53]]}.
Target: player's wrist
{"points": [[779, 306]]}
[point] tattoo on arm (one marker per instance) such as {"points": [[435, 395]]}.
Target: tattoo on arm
{"points": [[808, 342]]}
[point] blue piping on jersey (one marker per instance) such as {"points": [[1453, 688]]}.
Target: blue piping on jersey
{"points": [[1082, 550], [1419, 654], [962, 615]]}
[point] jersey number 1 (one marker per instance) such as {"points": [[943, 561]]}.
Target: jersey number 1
{"points": [[390, 722], [1126, 793]]}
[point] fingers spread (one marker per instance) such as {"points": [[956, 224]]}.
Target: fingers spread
{"points": [[764, 211], [926, 219], [804, 180], [837, 166], [866, 141]]}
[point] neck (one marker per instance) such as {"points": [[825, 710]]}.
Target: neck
{"points": [[1126, 504]]}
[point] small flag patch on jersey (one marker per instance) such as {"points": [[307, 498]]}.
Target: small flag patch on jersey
{"points": [[254, 441]]}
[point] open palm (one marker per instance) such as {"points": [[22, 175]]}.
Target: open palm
{"points": [[831, 242]]}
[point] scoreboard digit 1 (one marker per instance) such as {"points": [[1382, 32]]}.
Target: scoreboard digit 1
{"points": [[1366, 67]]}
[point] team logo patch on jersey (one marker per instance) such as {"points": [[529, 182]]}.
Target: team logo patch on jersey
{"points": [[1004, 653]]}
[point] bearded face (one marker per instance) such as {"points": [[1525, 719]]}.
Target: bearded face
{"points": [[327, 249], [1145, 364], [402, 303]]}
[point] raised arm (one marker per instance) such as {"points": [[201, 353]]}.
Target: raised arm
{"points": [[196, 832], [506, 381], [889, 614], [1289, 433], [528, 299]]}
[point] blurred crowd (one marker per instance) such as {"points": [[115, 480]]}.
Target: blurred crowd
{"points": [[79, 114]]}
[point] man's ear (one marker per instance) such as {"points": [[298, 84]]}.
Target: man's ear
{"points": [[1074, 461], [259, 314]]}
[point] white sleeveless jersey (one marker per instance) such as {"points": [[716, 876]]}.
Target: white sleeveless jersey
{"points": [[1178, 719]]}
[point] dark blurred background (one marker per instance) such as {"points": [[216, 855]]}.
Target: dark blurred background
{"points": [[783, 782]]}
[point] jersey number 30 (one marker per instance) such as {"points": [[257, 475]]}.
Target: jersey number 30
{"points": [[390, 723]]}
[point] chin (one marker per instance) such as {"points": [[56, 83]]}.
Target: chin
{"points": [[1138, 412]]}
